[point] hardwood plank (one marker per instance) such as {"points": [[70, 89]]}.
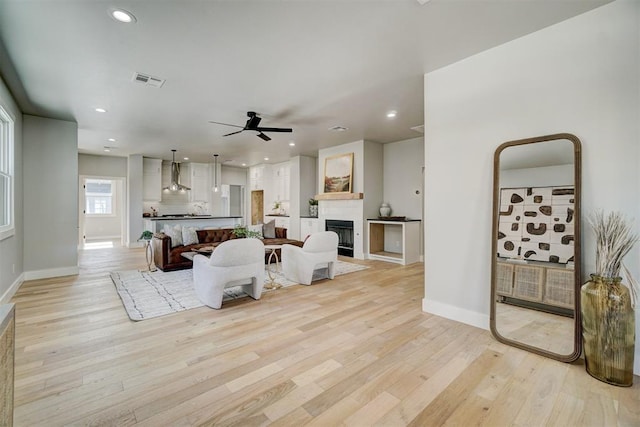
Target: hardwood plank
{"points": [[356, 350]]}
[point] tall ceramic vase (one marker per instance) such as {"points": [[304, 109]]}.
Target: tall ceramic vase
{"points": [[608, 330]]}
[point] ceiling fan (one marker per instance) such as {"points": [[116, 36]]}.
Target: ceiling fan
{"points": [[252, 124]]}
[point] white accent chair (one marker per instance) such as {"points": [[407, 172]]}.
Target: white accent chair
{"points": [[298, 264], [236, 262]]}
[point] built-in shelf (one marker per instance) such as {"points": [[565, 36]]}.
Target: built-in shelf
{"points": [[407, 245], [339, 196]]}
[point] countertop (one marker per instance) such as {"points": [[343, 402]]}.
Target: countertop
{"points": [[164, 218], [390, 219]]}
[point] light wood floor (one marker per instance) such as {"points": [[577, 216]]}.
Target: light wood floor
{"points": [[354, 351], [545, 331]]}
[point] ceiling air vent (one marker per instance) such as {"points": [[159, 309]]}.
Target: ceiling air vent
{"points": [[338, 128], [148, 80]]}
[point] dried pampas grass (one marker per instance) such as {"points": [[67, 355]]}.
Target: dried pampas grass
{"points": [[614, 240]]}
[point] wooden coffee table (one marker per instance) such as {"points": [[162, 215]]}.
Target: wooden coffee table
{"points": [[189, 255]]}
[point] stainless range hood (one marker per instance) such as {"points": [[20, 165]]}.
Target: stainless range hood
{"points": [[175, 177]]}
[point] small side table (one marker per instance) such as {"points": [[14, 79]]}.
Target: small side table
{"points": [[148, 254], [271, 283]]}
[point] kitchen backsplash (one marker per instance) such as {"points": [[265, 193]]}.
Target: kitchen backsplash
{"points": [[171, 207]]}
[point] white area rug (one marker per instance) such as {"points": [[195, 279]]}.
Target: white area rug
{"points": [[146, 295]]}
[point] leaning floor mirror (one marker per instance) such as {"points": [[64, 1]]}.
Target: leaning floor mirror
{"points": [[535, 274]]}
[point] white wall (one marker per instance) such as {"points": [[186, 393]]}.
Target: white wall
{"points": [[544, 176], [50, 149], [11, 248], [106, 166], [580, 76], [357, 148], [403, 182], [367, 179], [134, 200], [233, 176], [105, 227], [302, 187], [403, 162]]}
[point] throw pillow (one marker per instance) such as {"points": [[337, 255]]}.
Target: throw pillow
{"points": [[189, 235], [175, 233], [269, 230], [256, 229]]}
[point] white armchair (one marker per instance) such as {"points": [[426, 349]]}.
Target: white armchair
{"points": [[298, 264], [236, 262]]}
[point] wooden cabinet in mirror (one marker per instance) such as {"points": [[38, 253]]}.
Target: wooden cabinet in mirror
{"points": [[535, 265]]}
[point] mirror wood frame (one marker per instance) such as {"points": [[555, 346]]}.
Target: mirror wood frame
{"points": [[577, 171]]}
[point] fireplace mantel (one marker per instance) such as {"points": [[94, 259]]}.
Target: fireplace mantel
{"points": [[339, 196]]}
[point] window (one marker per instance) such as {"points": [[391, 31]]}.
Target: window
{"points": [[6, 175], [99, 196]]}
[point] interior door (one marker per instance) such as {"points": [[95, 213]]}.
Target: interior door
{"points": [[257, 207]]}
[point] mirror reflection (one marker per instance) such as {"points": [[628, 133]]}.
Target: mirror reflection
{"points": [[536, 218]]}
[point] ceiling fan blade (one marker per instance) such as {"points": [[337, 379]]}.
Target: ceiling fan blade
{"points": [[273, 129], [263, 136], [226, 124], [233, 133]]}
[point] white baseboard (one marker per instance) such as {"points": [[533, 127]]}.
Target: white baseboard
{"points": [[479, 320], [6, 297], [51, 272], [101, 238]]}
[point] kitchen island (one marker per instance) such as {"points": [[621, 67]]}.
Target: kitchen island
{"points": [[156, 223]]}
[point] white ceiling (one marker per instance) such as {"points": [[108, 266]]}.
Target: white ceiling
{"points": [[309, 65]]}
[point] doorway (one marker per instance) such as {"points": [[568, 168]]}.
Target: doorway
{"points": [[257, 207], [101, 212]]}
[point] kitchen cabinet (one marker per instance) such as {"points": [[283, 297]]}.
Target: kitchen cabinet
{"points": [[199, 182], [281, 181], [151, 179], [256, 177]]}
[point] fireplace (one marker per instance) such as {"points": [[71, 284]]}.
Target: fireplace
{"points": [[344, 230]]}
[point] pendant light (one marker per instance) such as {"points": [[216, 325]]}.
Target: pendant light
{"points": [[215, 173]]}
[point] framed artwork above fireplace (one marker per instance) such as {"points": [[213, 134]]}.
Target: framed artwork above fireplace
{"points": [[338, 173]]}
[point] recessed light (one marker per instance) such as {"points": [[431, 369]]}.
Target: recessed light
{"points": [[107, 149], [185, 158], [111, 140], [101, 110], [392, 114], [266, 158], [244, 164], [292, 144], [122, 15]]}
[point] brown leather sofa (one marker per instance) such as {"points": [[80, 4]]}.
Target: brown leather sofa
{"points": [[168, 259]]}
